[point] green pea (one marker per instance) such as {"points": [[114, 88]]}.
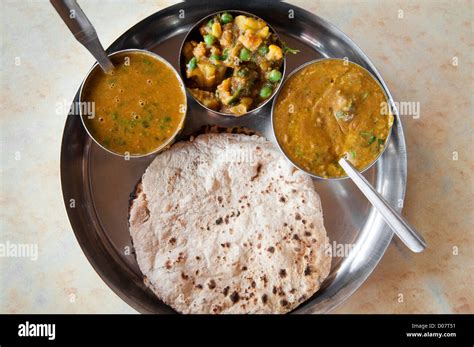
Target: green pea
{"points": [[216, 57], [274, 76], [243, 72], [226, 18], [225, 54], [209, 39], [265, 92], [244, 54], [192, 63], [263, 50]]}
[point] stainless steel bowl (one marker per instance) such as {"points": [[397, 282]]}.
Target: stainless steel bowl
{"points": [[96, 66], [275, 100], [194, 31]]}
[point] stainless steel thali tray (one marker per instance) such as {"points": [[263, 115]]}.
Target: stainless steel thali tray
{"points": [[100, 183]]}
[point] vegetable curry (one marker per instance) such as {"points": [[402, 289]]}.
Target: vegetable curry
{"points": [[139, 107], [236, 66], [329, 109]]}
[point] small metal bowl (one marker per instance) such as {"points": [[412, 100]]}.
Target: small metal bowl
{"points": [[193, 33], [275, 100], [164, 145]]}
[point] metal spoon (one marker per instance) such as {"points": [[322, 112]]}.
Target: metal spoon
{"points": [[404, 231], [83, 31]]}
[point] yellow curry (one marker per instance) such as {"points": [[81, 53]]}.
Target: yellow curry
{"points": [[138, 107], [330, 109]]}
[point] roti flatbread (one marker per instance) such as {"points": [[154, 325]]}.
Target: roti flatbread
{"points": [[224, 224]]}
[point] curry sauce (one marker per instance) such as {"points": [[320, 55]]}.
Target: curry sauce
{"points": [[138, 107], [329, 109]]}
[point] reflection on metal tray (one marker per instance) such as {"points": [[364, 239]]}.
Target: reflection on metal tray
{"points": [[101, 183]]}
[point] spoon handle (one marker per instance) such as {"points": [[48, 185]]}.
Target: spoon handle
{"points": [[404, 231], [83, 31]]}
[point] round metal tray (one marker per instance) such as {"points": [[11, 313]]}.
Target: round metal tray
{"points": [[100, 183]]}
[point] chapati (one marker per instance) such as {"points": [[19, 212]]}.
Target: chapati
{"points": [[224, 224]]}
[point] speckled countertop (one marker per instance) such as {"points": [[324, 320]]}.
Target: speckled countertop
{"points": [[423, 49]]}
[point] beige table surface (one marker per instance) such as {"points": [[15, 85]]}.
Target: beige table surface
{"points": [[425, 57]]}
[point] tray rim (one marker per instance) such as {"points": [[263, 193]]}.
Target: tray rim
{"points": [[136, 304]]}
